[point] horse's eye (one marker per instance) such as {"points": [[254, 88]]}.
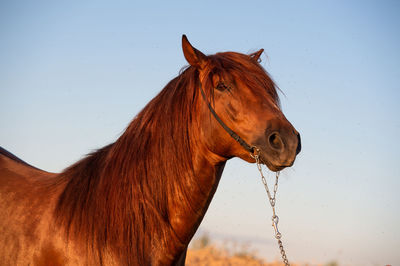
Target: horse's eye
{"points": [[221, 86]]}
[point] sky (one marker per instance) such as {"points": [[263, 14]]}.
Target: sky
{"points": [[73, 75]]}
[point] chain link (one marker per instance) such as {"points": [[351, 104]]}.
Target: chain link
{"points": [[272, 201]]}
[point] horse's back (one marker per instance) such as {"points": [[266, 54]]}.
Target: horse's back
{"points": [[26, 203], [21, 182]]}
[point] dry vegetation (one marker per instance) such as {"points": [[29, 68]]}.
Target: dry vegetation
{"points": [[203, 252], [216, 256]]}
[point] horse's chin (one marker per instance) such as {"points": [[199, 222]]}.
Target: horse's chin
{"points": [[275, 168]]}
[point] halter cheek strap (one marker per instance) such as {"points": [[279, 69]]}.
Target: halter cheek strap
{"points": [[232, 133]]}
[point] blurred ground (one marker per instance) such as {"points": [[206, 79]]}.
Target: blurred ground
{"points": [[202, 252], [215, 256]]}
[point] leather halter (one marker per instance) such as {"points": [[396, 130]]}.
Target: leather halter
{"points": [[232, 133]]}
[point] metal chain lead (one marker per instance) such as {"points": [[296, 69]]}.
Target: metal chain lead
{"points": [[272, 201]]}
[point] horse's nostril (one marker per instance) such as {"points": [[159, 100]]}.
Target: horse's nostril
{"points": [[298, 149], [275, 141]]}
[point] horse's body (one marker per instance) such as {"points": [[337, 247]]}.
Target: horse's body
{"points": [[140, 200]]}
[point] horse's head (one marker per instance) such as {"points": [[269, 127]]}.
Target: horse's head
{"points": [[245, 99]]}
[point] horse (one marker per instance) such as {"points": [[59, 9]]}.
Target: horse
{"points": [[140, 200]]}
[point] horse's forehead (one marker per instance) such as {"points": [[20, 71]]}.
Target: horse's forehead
{"points": [[233, 71]]}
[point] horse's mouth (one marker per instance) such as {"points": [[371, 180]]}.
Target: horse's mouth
{"points": [[271, 166]]}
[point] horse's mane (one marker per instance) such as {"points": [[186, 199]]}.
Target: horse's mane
{"points": [[119, 195]]}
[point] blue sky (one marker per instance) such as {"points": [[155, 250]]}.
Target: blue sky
{"points": [[73, 74]]}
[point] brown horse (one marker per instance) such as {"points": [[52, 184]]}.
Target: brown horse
{"points": [[140, 200]]}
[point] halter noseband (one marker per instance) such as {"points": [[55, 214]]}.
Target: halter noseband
{"points": [[232, 133]]}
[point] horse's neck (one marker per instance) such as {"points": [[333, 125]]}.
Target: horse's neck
{"points": [[167, 198]]}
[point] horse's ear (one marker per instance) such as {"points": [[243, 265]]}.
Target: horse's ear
{"points": [[256, 56], [193, 56]]}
